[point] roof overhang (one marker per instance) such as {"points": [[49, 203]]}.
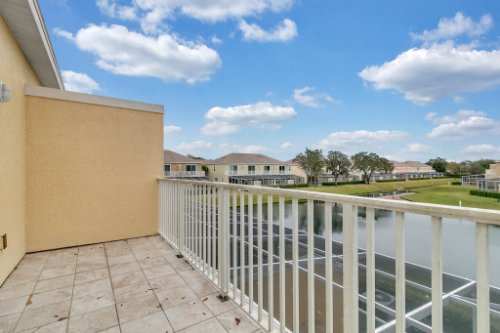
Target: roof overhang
{"points": [[26, 23]]}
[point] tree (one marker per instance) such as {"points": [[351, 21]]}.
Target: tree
{"points": [[369, 163], [453, 168], [438, 164], [312, 162], [479, 167], [338, 164]]}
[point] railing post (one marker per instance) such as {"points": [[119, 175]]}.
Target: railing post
{"points": [[223, 234], [180, 218], [350, 267]]}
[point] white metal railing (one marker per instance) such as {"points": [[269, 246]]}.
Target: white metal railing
{"points": [[184, 173], [257, 172], [222, 231]]}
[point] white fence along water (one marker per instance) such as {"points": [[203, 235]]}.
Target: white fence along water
{"points": [[214, 227]]}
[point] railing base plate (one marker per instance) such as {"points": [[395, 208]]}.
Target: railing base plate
{"points": [[179, 256], [222, 298]]}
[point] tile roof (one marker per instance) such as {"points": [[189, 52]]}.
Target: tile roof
{"points": [[173, 157], [245, 158]]}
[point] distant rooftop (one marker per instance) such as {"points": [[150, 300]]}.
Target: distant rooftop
{"points": [[173, 157], [413, 164], [245, 158]]}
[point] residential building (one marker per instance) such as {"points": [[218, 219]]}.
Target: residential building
{"points": [[176, 165], [489, 182], [251, 169], [493, 171]]}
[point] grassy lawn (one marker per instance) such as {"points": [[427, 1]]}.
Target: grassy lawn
{"points": [[451, 195], [360, 189]]}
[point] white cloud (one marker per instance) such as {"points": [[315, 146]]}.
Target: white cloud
{"points": [[152, 14], [285, 31], [360, 137], [306, 96], [286, 145], [254, 149], [464, 123], [216, 40], [427, 74], [417, 148], [198, 145], [459, 25], [79, 82], [481, 149], [169, 129], [223, 121], [453, 118], [130, 53]]}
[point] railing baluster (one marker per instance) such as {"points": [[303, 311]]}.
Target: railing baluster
{"points": [[310, 266], [224, 242], [242, 248], [204, 231], [260, 292], [250, 252], [282, 263], [482, 277], [215, 214], [437, 275], [181, 217], [235, 231], [209, 231], [350, 260], [295, 265], [400, 273], [270, 261], [370, 270], [328, 267]]}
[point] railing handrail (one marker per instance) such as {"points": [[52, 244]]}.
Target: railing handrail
{"points": [[487, 216], [184, 173]]}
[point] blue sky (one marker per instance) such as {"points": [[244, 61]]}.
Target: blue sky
{"points": [[409, 80]]}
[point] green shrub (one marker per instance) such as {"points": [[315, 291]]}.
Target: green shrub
{"points": [[456, 183], [486, 194], [343, 183], [293, 185]]}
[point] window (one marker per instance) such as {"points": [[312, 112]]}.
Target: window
{"points": [[190, 167], [233, 169], [251, 169], [267, 169], [166, 169], [282, 169]]}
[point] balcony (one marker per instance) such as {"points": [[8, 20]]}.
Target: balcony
{"points": [[184, 174], [133, 285], [253, 172], [378, 266]]}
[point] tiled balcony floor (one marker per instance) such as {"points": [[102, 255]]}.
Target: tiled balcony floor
{"points": [[135, 285]]}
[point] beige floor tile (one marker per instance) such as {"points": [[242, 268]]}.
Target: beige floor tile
{"points": [[15, 290], [132, 290], [48, 273], [172, 297], [91, 303], [154, 323], [92, 288], [56, 327], [181, 265], [8, 322], [87, 263], [94, 321], [203, 287], [122, 280], [213, 303], [137, 307], [19, 276], [13, 305], [167, 282], [42, 316], [158, 271], [154, 262], [210, 325], [191, 275], [146, 254], [115, 329], [122, 259], [91, 249], [87, 276], [54, 283], [49, 297], [187, 314], [237, 321], [124, 268]]}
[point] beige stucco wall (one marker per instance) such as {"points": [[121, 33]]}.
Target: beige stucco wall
{"points": [[91, 173], [15, 72], [217, 172], [493, 171]]}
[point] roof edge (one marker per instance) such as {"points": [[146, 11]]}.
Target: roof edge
{"points": [[70, 96]]}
